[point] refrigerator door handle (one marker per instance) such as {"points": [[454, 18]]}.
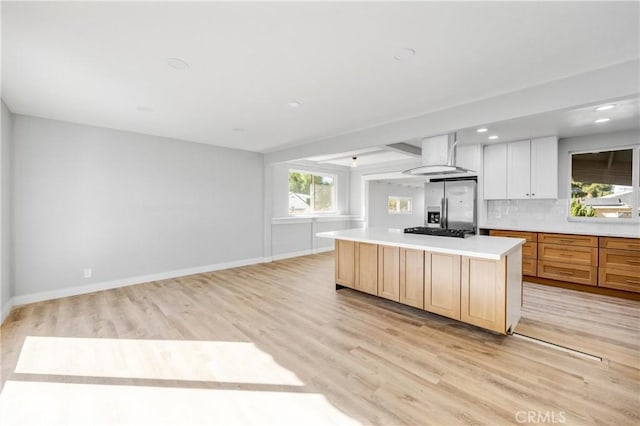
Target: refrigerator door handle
{"points": [[443, 214], [446, 213]]}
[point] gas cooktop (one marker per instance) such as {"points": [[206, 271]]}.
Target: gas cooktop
{"points": [[438, 232]]}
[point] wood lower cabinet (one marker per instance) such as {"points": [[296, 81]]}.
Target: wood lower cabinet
{"points": [[575, 255], [389, 272], [619, 264], [412, 277], [529, 249], [467, 289], [491, 292], [568, 239], [483, 287], [442, 284], [579, 274], [570, 258], [366, 268], [345, 263]]}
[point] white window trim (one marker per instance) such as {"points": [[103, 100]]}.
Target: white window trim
{"points": [[334, 194], [635, 171], [410, 199]]}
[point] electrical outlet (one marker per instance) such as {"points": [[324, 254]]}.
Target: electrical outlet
{"points": [[87, 272]]}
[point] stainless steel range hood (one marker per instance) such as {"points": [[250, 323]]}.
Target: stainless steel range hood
{"points": [[438, 157]]}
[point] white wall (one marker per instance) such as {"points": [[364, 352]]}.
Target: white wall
{"points": [[552, 215], [127, 205], [379, 217], [6, 228]]}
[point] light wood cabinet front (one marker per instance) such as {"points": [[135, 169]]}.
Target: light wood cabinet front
{"points": [[579, 274], [619, 279], [529, 249], [366, 268], [442, 284], [568, 239], [575, 255], [483, 293], [529, 267], [620, 259], [412, 277], [389, 272], [620, 243], [345, 263]]}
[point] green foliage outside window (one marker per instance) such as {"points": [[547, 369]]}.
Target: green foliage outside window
{"points": [[309, 193]]}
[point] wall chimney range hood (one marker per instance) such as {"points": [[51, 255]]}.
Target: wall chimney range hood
{"points": [[438, 157]]}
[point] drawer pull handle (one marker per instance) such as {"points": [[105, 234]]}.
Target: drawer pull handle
{"points": [[567, 241], [633, 260], [633, 281], [564, 273]]}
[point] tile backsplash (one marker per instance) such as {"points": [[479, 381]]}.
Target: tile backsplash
{"points": [[550, 216]]}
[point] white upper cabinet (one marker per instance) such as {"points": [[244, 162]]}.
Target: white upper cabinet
{"points": [[521, 170], [495, 172], [544, 167], [518, 170]]}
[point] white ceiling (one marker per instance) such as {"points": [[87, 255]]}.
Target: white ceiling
{"points": [[564, 124], [105, 64]]}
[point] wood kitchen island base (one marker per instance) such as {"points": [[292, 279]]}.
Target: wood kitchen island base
{"points": [[456, 279]]}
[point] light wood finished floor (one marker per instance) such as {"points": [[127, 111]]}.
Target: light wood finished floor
{"points": [[375, 362]]}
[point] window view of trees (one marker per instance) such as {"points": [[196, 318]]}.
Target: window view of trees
{"points": [[309, 193], [399, 205], [601, 184]]}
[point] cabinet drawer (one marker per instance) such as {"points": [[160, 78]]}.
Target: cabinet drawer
{"points": [[573, 273], [569, 239], [529, 236], [620, 243], [620, 259], [530, 251], [575, 255], [619, 279], [529, 267]]}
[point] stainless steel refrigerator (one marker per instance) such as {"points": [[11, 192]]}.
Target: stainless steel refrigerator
{"points": [[451, 204]]}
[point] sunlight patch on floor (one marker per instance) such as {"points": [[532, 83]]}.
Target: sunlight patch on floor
{"points": [[232, 362], [30, 403]]}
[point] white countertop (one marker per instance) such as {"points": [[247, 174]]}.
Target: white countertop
{"points": [[475, 246]]}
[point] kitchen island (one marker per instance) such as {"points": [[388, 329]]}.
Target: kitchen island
{"points": [[476, 280]]}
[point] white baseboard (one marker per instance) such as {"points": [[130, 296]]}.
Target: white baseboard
{"points": [[107, 285], [301, 253], [6, 309], [124, 282]]}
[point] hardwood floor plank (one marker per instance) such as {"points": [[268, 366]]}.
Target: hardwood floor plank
{"points": [[375, 361]]}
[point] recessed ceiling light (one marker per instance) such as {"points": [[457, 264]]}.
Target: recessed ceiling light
{"points": [[294, 104], [602, 120], [177, 63], [144, 109], [492, 137], [404, 54], [606, 107], [482, 130]]}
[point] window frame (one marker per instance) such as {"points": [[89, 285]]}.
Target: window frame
{"points": [[334, 193], [635, 185], [399, 198]]}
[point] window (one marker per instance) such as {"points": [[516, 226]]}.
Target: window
{"points": [[400, 205], [311, 193], [602, 184]]}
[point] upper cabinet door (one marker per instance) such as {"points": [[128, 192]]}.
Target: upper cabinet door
{"points": [[495, 172], [519, 170], [544, 167]]}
